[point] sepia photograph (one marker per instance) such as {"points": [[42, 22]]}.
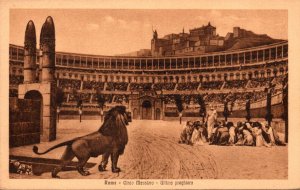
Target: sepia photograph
{"points": [[144, 98]]}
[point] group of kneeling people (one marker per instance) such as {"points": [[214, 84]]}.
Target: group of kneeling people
{"points": [[226, 133]]}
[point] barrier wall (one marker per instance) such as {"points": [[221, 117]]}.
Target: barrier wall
{"points": [[24, 122]]}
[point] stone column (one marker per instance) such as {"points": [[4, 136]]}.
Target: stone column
{"points": [[30, 65], [47, 45]]}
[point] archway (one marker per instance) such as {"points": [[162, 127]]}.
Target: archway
{"points": [[33, 95], [36, 96], [146, 110], [157, 114]]}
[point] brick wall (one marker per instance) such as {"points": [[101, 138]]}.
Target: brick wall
{"points": [[24, 122]]}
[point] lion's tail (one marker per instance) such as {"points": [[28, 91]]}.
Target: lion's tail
{"points": [[35, 148]]}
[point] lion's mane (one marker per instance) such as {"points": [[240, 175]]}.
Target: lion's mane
{"points": [[114, 125]]}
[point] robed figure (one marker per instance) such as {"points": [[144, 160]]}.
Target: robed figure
{"points": [[226, 112], [269, 91], [248, 105]]}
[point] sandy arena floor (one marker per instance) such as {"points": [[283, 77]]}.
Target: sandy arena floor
{"points": [[153, 153]]}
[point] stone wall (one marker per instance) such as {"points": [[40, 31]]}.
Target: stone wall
{"points": [[24, 122]]}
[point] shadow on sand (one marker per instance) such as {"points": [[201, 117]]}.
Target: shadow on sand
{"points": [[41, 165]]}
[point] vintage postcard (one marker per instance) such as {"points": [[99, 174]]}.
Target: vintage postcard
{"points": [[142, 95]]}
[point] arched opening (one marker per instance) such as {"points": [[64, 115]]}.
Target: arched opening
{"points": [[37, 96], [146, 110], [33, 95], [157, 114]]}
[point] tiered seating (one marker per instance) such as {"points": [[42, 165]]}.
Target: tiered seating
{"points": [[120, 98], [187, 99], [164, 86], [235, 84], [258, 82], [188, 86], [89, 85], [239, 96], [69, 83], [85, 97], [108, 98], [140, 86], [215, 98], [169, 99], [112, 86], [278, 80], [259, 95], [214, 85]]}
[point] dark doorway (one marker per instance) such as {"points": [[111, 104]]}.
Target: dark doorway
{"points": [[37, 96], [146, 110], [157, 114]]}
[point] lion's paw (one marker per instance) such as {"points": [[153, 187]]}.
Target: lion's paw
{"points": [[116, 170], [101, 168]]}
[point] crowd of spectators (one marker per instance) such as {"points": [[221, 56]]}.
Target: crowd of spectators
{"points": [[188, 86], [15, 79], [214, 85], [164, 86], [218, 98], [235, 84], [258, 95], [121, 98], [215, 98], [140, 86], [112, 86], [89, 85], [278, 80], [186, 99], [69, 84], [259, 82]]}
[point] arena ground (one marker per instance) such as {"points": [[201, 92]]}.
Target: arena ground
{"points": [[153, 153]]}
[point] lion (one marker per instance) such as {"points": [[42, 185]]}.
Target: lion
{"points": [[109, 140]]}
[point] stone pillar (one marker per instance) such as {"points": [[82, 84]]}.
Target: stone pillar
{"points": [[47, 45], [30, 65]]}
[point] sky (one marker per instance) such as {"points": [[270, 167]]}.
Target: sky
{"points": [[118, 31]]}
